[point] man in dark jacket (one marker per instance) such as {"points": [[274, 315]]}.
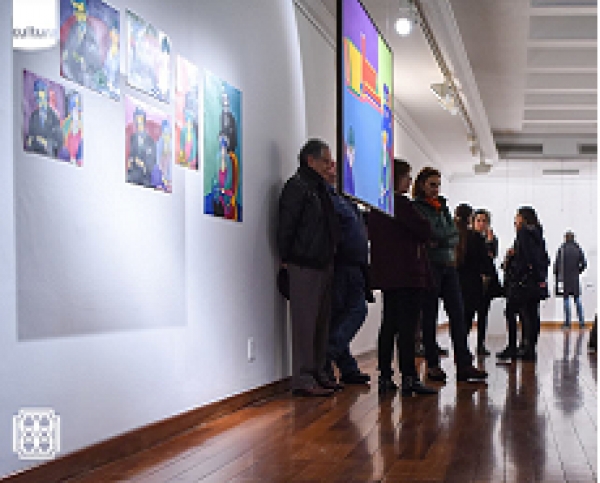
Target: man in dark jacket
{"points": [[307, 234], [348, 306], [569, 263]]}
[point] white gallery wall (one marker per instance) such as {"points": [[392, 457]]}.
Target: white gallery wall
{"points": [[141, 358]]}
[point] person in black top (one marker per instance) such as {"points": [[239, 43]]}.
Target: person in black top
{"points": [[473, 265], [569, 264], [530, 262], [491, 285], [307, 234]]}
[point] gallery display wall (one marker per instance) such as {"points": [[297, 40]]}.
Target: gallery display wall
{"points": [[121, 304]]}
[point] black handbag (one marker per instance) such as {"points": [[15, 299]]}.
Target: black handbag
{"points": [[525, 289]]}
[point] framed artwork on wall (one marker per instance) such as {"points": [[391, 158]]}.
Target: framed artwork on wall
{"points": [[89, 45], [223, 193], [186, 114], [148, 58], [148, 146], [52, 119]]}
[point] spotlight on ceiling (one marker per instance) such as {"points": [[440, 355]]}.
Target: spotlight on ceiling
{"points": [[482, 167], [407, 17], [446, 97], [403, 26]]}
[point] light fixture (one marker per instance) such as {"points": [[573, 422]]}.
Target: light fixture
{"points": [[482, 167], [405, 22], [446, 96]]}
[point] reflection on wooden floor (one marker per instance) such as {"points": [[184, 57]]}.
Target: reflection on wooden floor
{"points": [[531, 423]]}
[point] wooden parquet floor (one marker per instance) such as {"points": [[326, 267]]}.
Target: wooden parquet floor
{"points": [[532, 422]]}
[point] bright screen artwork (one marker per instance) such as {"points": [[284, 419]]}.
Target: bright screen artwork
{"points": [[365, 88]]}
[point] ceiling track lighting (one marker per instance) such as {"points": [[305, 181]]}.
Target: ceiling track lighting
{"points": [[446, 96]]}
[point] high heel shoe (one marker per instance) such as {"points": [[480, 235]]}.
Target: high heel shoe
{"points": [[412, 385]]}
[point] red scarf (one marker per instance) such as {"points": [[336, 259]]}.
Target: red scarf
{"points": [[435, 202]]}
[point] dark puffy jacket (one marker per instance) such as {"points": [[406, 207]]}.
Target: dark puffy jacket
{"points": [[445, 233], [307, 231]]}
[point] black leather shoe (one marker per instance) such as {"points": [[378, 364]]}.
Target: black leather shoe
{"points": [[442, 352], [528, 356], [483, 352], [436, 374], [412, 385], [356, 378], [386, 386], [312, 391], [470, 373], [507, 353]]}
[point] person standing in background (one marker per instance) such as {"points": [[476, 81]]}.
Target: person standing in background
{"points": [[569, 264], [491, 288]]}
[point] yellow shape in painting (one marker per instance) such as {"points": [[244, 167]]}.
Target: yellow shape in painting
{"points": [[353, 62]]}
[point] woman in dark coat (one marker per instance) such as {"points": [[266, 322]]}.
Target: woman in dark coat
{"points": [[400, 268], [473, 264], [530, 261]]}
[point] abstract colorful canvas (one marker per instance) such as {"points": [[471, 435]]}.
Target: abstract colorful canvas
{"points": [[149, 58], [148, 146], [89, 45], [222, 149], [52, 119], [367, 98], [186, 114]]}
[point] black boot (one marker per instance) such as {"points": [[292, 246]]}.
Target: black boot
{"points": [[386, 385], [412, 385]]}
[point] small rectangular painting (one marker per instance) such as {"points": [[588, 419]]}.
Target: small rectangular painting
{"points": [[52, 119], [89, 45], [222, 149], [148, 58], [148, 146], [186, 114]]}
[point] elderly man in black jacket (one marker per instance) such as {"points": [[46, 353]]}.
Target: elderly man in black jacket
{"points": [[307, 234]]}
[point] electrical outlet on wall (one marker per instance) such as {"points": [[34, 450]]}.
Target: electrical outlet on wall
{"points": [[251, 351]]}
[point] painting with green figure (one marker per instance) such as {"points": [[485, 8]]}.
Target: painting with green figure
{"points": [[222, 149]]}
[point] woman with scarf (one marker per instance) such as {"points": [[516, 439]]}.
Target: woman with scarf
{"points": [[442, 255]]}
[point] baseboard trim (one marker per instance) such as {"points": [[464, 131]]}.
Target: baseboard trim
{"points": [[124, 445], [547, 324]]}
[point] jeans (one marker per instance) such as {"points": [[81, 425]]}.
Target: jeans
{"points": [[446, 287], [348, 313], [579, 308]]}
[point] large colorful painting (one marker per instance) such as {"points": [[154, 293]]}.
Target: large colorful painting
{"points": [[149, 58], [52, 119], [89, 45], [367, 145], [148, 146], [186, 114], [222, 149]]}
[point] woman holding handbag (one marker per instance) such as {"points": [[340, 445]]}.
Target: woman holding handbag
{"points": [[529, 281]]}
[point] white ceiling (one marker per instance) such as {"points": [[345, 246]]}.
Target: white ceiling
{"points": [[529, 75]]}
